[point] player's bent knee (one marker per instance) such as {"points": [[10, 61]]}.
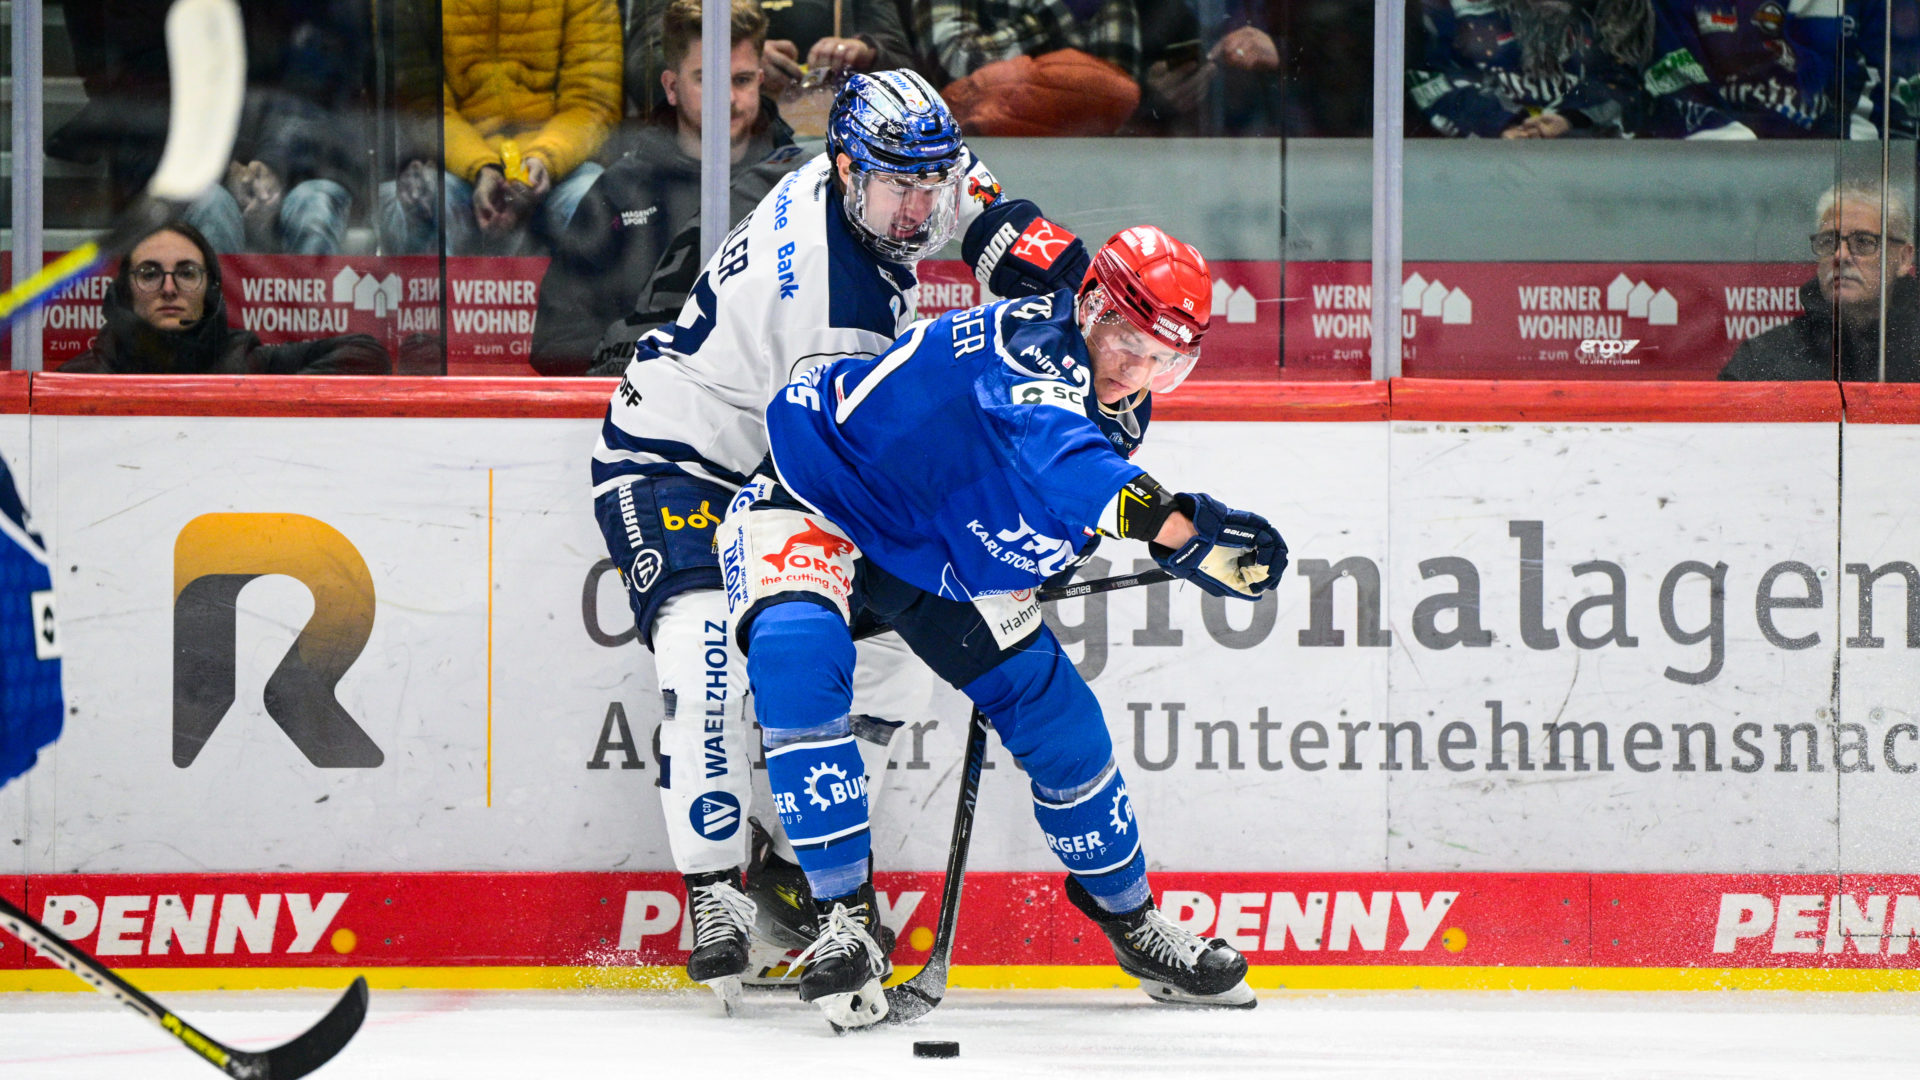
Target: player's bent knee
{"points": [[800, 665], [1046, 715]]}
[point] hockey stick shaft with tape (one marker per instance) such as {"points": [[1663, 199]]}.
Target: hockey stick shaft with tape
{"points": [[919, 995], [298, 1057], [207, 62]]}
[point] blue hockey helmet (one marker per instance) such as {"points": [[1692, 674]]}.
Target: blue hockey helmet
{"points": [[903, 186]]}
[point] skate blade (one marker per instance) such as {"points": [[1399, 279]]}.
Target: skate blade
{"points": [[769, 966], [727, 988], [1240, 997], [861, 1008]]}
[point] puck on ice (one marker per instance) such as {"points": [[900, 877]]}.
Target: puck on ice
{"points": [[936, 1048]]}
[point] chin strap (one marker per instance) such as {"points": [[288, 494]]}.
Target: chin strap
{"points": [[1122, 412]]}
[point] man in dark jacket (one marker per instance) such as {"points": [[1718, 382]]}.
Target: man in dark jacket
{"points": [[1838, 336], [631, 215], [165, 315]]}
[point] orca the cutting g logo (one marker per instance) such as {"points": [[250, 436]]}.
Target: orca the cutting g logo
{"points": [[213, 559]]}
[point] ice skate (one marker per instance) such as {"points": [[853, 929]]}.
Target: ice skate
{"points": [[784, 918], [722, 915], [845, 965], [783, 905], [1174, 966]]}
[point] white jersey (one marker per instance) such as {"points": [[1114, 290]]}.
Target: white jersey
{"points": [[790, 287]]}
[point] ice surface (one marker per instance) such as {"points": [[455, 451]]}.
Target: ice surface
{"points": [[434, 1035]]}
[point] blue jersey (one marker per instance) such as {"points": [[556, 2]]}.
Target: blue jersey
{"points": [[1777, 68], [30, 702], [963, 460]]}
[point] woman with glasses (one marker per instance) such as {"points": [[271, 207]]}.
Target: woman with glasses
{"points": [[165, 314], [1838, 334]]}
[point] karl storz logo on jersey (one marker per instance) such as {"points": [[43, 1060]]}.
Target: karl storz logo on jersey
{"points": [[1023, 548], [214, 557], [715, 815]]}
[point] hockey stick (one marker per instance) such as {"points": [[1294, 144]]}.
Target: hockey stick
{"points": [[1153, 576], [305, 1053], [207, 60], [921, 994]]}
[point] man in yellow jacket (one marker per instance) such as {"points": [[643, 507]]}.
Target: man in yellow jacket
{"points": [[531, 91]]}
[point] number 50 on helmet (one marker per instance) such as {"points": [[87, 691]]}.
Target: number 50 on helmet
{"points": [[902, 190]]}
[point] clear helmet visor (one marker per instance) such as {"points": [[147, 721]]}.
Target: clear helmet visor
{"points": [[905, 217], [1124, 351]]}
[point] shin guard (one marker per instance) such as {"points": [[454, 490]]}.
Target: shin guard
{"points": [[1095, 836]]}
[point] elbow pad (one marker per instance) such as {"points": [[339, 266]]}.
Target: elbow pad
{"points": [[1138, 510]]}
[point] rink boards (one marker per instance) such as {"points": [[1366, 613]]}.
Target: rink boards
{"points": [[1603, 684]]}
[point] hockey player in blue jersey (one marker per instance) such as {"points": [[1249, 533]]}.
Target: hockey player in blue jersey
{"points": [[30, 701], [936, 485], [822, 268]]}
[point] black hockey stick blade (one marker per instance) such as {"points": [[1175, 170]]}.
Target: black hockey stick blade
{"points": [[920, 995], [320, 1043], [207, 56], [297, 1057]]}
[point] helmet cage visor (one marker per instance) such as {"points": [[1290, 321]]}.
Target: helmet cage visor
{"points": [[1127, 344], [905, 216]]}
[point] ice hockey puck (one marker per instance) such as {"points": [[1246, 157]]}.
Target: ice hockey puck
{"points": [[936, 1048]]}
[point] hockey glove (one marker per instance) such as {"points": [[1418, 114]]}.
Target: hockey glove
{"points": [[1016, 252], [1232, 553]]}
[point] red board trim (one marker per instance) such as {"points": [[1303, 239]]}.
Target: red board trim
{"points": [[1443, 400], [1504, 401], [1882, 403]]}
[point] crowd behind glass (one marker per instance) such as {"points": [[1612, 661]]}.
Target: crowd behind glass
{"points": [[568, 130]]}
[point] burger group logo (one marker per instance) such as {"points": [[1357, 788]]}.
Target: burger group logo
{"points": [[214, 557]]}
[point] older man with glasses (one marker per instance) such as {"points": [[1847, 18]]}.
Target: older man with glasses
{"points": [[1838, 336]]}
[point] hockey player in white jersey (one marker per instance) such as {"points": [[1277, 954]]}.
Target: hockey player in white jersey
{"points": [[821, 269], [936, 486]]}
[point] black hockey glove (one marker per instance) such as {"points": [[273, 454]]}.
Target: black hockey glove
{"points": [[1232, 553], [1016, 252]]}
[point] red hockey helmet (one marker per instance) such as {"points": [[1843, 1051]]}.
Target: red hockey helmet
{"points": [[1162, 287]]}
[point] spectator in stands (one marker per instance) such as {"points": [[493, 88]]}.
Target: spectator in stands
{"points": [[832, 36], [1212, 69], [532, 89], [296, 165], [1532, 69], [626, 221], [1744, 69], [1034, 67], [1838, 336], [165, 315]]}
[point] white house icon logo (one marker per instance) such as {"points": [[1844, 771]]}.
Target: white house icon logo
{"points": [[1418, 296], [1640, 301], [366, 292], [1233, 302]]}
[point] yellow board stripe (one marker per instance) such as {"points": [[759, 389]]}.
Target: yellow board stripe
{"points": [[1006, 977]]}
